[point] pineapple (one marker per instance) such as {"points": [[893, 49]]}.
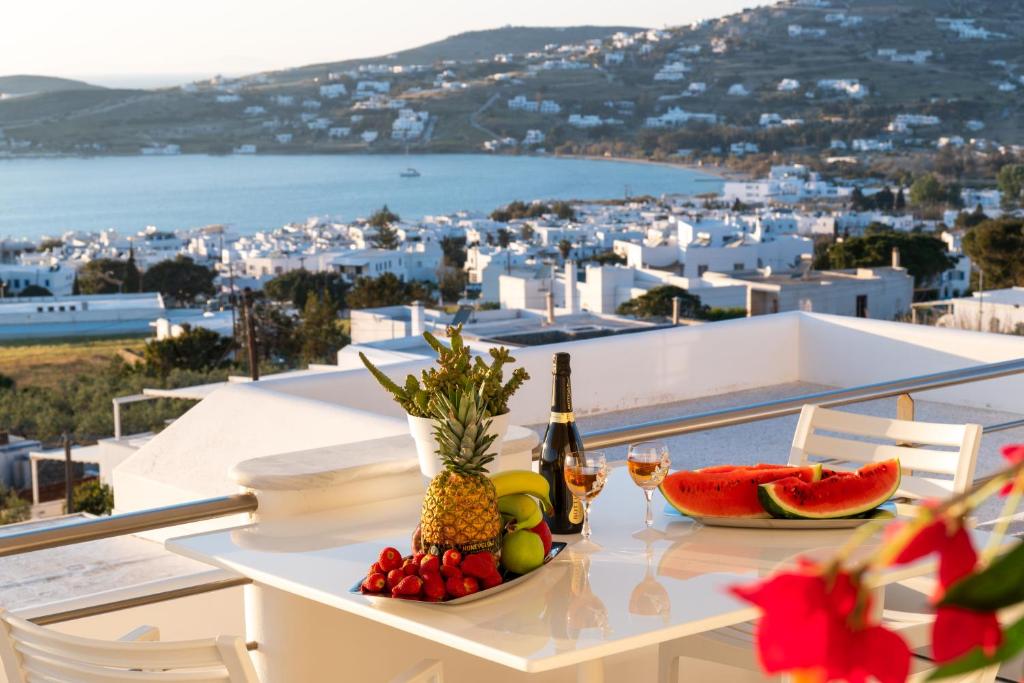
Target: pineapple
{"points": [[460, 509]]}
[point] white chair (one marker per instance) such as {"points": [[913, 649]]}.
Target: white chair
{"points": [[820, 436], [33, 654]]}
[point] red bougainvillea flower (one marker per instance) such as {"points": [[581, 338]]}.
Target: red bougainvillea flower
{"points": [[816, 625], [956, 631], [1014, 453]]}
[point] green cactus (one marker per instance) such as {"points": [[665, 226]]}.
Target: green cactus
{"points": [[456, 369]]}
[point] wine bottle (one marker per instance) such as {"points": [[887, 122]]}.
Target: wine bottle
{"points": [[561, 441]]}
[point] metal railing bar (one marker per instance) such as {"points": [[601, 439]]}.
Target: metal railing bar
{"points": [[127, 523], [140, 601], [727, 417], [1003, 426]]}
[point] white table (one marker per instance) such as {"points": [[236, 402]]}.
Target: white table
{"points": [[576, 611]]}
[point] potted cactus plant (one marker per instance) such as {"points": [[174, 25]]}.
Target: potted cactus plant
{"points": [[457, 372]]}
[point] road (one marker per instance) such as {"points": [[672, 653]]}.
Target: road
{"points": [[481, 110]]}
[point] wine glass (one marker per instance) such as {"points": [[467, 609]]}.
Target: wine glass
{"points": [[585, 475], [648, 464]]}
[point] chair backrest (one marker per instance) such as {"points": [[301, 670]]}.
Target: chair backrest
{"points": [[820, 436], [33, 654]]}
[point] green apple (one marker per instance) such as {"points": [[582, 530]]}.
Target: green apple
{"points": [[522, 551]]}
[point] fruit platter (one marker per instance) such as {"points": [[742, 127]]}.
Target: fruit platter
{"points": [[784, 496], [479, 533]]}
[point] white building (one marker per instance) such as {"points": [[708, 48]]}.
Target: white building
{"points": [[879, 293], [58, 279], [333, 90], [677, 116], [78, 316], [371, 263], [998, 310], [716, 246], [788, 85]]}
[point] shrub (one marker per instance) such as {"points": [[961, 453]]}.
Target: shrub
{"points": [[93, 497]]}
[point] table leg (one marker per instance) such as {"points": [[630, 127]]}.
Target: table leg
{"points": [[590, 672]]}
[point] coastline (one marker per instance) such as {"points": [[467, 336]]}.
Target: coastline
{"points": [[716, 170]]}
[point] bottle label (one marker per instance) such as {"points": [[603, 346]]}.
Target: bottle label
{"points": [[562, 418], [576, 512]]}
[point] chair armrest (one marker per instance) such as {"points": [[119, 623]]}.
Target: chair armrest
{"points": [[141, 634]]}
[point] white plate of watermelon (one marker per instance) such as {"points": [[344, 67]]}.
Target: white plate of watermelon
{"points": [[783, 496]]}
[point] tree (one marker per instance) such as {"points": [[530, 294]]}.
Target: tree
{"points": [[196, 348], [386, 236], [451, 282], [7, 383], [564, 211], [965, 220], [858, 202], [995, 247], [657, 303], [132, 278], [278, 340], [320, 330], [13, 508], [527, 232], [108, 276], [1011, 183], [181, 279], [35, 290], [923, 255], [884, 199], [504, 238], [900, 203], [927, 190], [296, 286], [454, 249], [565, 248], [386, 290], [383, 217], [93, 497]]}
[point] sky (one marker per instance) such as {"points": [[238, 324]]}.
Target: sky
{"points": [[148, 43]]}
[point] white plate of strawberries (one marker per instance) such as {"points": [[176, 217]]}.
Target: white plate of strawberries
{"points": [[449, 579]]}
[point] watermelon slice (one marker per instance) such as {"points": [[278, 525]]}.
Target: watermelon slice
{"points": [[840, 495], [721, 469], [727, 494]]}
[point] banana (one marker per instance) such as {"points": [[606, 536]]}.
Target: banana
{"points": [[523, 508], [523, 481]]}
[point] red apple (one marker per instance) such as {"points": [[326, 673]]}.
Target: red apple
{"points": [[544, 532]]}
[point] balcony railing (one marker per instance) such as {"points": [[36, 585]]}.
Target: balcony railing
{"points": [[145, 520]]}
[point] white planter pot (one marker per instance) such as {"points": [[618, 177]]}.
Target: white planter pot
{"points": [[422, 430]]}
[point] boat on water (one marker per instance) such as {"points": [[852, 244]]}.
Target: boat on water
{"points": [[410, 173]]}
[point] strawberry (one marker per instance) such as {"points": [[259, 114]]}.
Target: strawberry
{"points": [[375, 568], [430, 563], [395, 576], [374, 583], [455, 587], [433, 588], [418, 557], [448, 571], [409, 568], [451, 558], [409, 586], [479, 565], [428, 575], [470, 584], [491, 581], [389, 559]]}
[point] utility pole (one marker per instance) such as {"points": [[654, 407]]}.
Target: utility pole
{"points": [[250, 335], [68, 474]]}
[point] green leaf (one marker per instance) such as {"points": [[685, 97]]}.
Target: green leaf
{"points": [[999, 585], [1013, 643]]}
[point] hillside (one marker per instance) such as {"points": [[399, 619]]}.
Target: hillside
{"points": [[807, 77], [27, 85]]}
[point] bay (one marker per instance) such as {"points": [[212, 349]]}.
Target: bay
{"points": [[40, 197]]}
